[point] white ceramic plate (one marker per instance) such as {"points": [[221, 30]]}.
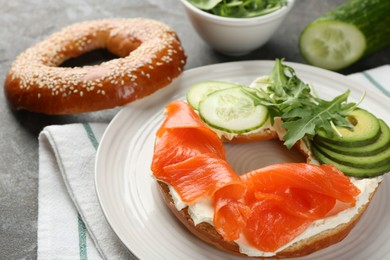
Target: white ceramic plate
{"points": [[131, 201]]}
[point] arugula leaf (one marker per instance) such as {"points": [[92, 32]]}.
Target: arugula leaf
{"points": [[307, 120], [303, 113], [205, 4], [278, 75], [239, 8]]}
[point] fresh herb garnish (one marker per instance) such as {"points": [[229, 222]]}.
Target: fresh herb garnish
{"points": [[303, 113], [239, 8]]}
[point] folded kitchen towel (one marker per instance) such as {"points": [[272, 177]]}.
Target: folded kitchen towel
{"points": [[71, 224], [377, 79]]}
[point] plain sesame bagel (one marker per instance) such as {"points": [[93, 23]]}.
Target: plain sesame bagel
{"points": [[150, 57]]}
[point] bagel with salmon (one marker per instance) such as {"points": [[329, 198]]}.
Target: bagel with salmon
{"points": [[278, 211]]}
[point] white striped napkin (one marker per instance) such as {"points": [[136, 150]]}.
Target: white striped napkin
{"points": [[71, 224], [377, 79]]}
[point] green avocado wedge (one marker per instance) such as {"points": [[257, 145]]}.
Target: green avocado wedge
{"points": [[366, 130], [350, 170], [366, 162], [381, 144]]}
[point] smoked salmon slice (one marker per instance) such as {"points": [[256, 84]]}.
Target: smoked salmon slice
{"points": [[189, 156], [183, 135], [324, 179], [208, 176], [268, 206], [230, 211], [200, 176], [285, 198]]}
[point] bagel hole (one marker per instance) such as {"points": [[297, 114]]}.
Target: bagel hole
{"points": [[94, 57], [251, 156]]}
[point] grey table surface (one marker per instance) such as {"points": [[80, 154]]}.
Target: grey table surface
{"points": [[24, 23]]}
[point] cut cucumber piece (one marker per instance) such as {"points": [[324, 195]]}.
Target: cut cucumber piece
{"points": [[199, 91], [232, 111], [332, 44], [346, 34]]}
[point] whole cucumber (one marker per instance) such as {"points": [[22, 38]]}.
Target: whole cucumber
{"points": [[346, 34]]}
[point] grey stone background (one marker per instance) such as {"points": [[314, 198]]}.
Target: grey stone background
{"points": [[23, 23]]}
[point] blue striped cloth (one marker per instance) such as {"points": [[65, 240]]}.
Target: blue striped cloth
{"points": [[71, 224]]}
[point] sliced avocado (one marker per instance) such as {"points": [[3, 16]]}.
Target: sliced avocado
{"points": [[381, 144], [366, 130], [371, 161], [349, 170]]}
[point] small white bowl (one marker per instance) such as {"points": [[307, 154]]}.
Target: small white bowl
{"points": [[235, 36]]}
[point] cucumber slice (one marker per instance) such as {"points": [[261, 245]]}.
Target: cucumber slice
{"points": [[332, 44], [232, 111], [347, 33], [199, 91]]}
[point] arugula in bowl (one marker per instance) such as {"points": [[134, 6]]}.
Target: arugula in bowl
{"points": [[239, 8]]}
